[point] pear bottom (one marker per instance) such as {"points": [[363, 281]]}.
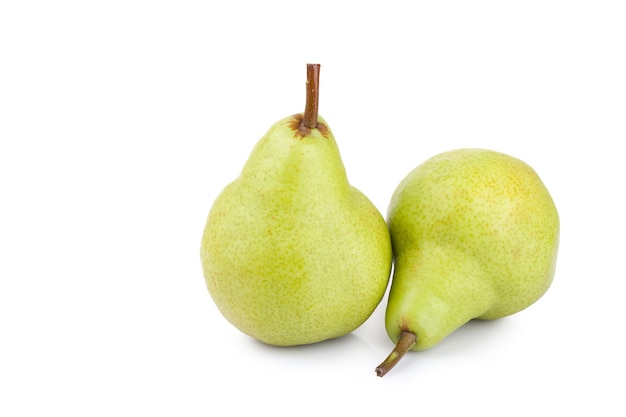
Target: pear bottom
{"points": [[298, 272]]}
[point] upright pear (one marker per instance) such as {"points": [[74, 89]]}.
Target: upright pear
{"points": [[291, 253], [475, 236]]}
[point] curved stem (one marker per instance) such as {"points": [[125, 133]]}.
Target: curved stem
{"points": [[312, 96], [405, 343]]}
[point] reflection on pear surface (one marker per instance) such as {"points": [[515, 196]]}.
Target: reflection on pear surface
{"points": [[342, 355]]}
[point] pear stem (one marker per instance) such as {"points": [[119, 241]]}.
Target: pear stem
{"points": [[312, 96], [405, 343]]}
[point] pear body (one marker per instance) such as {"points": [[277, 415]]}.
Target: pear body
{"points": [[291, 253], [475, 236]]}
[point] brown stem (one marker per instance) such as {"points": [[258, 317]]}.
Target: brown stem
{"points": [[405, 343], [312, 96]]}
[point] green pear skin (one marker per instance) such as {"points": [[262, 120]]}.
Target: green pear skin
{"points": [[475, 236], [292, 254]]}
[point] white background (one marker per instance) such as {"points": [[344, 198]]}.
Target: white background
{"points": [[121, 121]]}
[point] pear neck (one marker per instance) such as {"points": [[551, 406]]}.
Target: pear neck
{"points": [[441, 289], [285, 162]]}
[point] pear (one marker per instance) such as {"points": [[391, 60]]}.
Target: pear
{"points": [[475, 236], [293, 254]]}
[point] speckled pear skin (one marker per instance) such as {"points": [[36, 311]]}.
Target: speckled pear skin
{"points": [[475, 235], [292, 254]]}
